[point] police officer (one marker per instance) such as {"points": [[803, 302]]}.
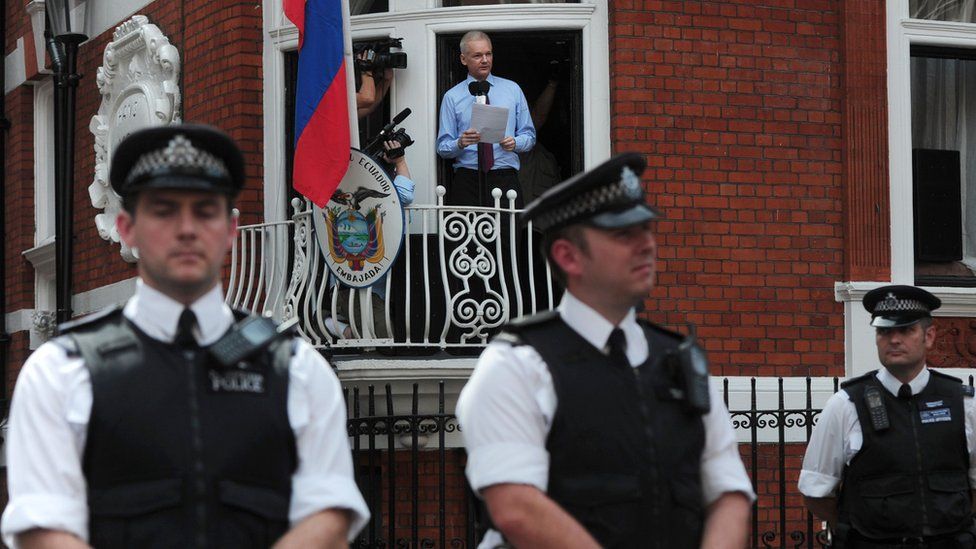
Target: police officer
{"points": [[129, 430], [889, 462], [581, 425]]}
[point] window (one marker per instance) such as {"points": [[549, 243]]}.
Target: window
{"points": [[533, 59], [361, 7], [943, 10], [455, 3], [943, 87]]}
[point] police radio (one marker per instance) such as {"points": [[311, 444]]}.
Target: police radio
{"points": [[690, 368], [247, 337], [876, 409]]}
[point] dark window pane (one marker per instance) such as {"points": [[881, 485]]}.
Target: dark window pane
{"points": [[944, 162], [943, 10], [361, 7], [456, 3]]}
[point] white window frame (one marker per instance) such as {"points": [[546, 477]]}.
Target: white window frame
{"points": [[902, 33], [419, 22], [42, 254]]}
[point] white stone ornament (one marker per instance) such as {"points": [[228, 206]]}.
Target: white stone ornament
{"points": [[139, 83]]}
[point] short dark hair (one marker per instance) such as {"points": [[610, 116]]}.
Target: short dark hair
{"points": [[572, 233]]}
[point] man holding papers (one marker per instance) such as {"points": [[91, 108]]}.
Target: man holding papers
{"points": [[470, 146]]}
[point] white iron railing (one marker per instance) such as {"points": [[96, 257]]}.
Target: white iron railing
{"points": [[466, 272]]}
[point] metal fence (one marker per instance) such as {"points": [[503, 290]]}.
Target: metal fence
{"points": [[419, 497], [461, 274]]}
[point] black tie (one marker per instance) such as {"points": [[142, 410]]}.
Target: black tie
{"points": [[486, 152], [617, 344], [905, 391], [184, 329]]}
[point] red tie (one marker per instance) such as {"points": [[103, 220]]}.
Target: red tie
{"points": [[486, 154]]}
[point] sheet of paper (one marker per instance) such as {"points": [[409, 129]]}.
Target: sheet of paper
{"points": [[489, 121]]}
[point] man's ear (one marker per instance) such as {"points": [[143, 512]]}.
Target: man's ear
{"points": [[124, 223], [567, 256], [930, 337]]}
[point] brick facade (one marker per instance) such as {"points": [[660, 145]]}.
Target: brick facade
{"points": [[767, 150], [738, 107]]}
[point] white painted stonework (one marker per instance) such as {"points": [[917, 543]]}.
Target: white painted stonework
{"points": [[139, 83]]}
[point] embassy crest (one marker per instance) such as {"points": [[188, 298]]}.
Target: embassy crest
{"points": [[361, 228]]}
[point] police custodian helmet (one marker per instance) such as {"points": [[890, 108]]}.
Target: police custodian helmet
{"points": [[609, 196], [190, 157], [897, 305]]}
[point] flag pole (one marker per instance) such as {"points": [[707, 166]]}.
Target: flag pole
{"points": [[350, 76]]}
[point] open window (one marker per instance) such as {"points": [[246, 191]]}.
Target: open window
{"points": [[532, 59], [943, 85]]}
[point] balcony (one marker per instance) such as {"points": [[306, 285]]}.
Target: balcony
{"points": [[461, 274]]}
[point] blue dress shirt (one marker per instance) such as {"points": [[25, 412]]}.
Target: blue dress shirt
{"points": [[456, 117]]}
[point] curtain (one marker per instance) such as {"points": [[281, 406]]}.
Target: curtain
{"points": [[942, 10], [944, 117]]}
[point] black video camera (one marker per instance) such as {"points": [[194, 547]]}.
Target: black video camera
{"points": [[389, 133], [375, 55]]}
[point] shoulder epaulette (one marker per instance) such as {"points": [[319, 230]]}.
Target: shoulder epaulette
{"points": [[661, 330], [944, 376], [87, 320], [523, 322], [858, 379], [511, 332], [967, 389]]}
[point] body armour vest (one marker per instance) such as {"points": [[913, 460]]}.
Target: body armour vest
{"points": [[181, 452], [624, 455], [910, 479]]}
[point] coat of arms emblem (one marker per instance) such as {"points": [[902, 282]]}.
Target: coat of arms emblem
{"points": [[361, 228], [353, 236]]}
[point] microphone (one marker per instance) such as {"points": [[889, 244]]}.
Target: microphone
{"points": [[479, 90], [387, 129], [398, 118]]}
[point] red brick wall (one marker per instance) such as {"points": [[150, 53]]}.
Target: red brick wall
{"points": [[425, 494], [18, 203], [737, 106], [221, 82]]}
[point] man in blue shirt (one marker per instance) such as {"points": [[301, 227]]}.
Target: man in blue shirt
{"points": [[459, 141]]}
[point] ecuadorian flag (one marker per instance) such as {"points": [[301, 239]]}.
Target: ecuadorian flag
{"points": [[321, 108]]}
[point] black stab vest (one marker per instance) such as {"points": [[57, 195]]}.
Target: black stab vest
{"points": [[624, 456], [911, 479], [170, 461]]}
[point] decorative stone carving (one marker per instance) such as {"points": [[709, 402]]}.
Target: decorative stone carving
{"points": [[139, 83], [44, 324], [955, 343]]}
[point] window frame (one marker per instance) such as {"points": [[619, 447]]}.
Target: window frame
{"points": [[419, 27]]}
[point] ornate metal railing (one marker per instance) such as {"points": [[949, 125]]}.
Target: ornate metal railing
{"points": [[419, 497], [461, 274]]}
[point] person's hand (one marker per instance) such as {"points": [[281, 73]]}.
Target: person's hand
{"points": [[470, 137], [389, 146], [361, 57], [508, 143]]}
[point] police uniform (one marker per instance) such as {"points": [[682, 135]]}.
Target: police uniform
{"points": [[126, 431], [897, 456], [549, 405]]}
